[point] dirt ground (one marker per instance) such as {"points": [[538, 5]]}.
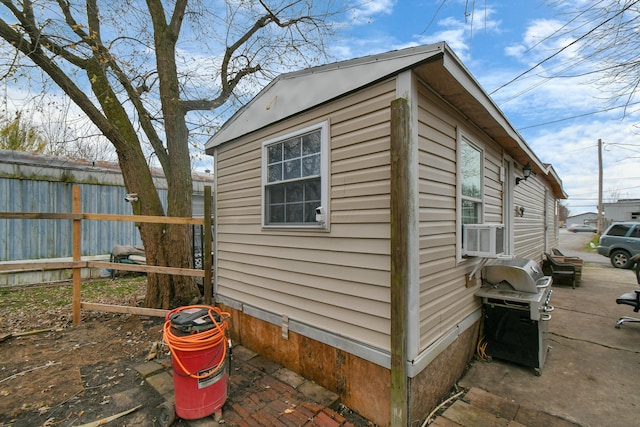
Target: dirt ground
{"points": [[55, 374], [76, 375]]}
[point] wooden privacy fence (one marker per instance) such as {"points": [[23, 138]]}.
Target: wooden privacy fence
{"points": [[77, 264]]}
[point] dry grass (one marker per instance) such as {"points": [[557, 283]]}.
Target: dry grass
{"points": [[25, 308]]}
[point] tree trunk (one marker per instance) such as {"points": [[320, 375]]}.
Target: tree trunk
{"points": [[171, 246], [165, 244]]}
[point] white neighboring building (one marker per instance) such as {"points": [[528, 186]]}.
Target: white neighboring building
{"points": [[622, 210], [589, 218]]}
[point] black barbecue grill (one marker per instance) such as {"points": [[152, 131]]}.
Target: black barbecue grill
{"points": [[515, 295]]}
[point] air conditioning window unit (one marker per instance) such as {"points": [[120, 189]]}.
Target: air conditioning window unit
{"points": [[483, 240]]}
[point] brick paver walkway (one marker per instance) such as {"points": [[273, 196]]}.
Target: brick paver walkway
{"points": [[262, 393]]}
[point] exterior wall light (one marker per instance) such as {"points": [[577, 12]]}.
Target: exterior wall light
{"points": [[526, 173]]}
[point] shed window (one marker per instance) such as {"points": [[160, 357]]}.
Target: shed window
{"points": [[470, 187], [471, 183], [294, 179]]}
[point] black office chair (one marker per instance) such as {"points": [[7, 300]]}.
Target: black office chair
{"points": [[631, 298]]}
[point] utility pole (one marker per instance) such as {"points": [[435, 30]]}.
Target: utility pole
{"points": [[599, 187]]}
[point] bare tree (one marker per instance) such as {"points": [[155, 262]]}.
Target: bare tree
{"points": [[601, 42], [139, 69], [605, 35], [563, 212], [614, 195]]}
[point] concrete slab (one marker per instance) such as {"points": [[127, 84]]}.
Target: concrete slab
{"points": [[162, 383], [148, 368], [469, 415], [265, 364], [318, 393], [289, 377], [242, 354], [534, 418], [589, 375]]}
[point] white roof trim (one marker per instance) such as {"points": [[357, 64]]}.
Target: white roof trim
{"points": [[292, 93]]}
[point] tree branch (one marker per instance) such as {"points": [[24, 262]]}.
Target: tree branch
{"points": [[104, 57], [65, 7], [211, 104], [93, 19], [228, 83], [61, 79], [177, 19], [27, 21], [289, 23]]}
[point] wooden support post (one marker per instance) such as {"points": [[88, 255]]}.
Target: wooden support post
{"points": [[207, 262], [400, 233], [76, 235]]}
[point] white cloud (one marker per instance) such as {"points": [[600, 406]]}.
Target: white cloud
{"points": [[454, 32], [542, 43], [497, 48], [459, 34], [573, 151], [365, 11], [571, 145], [546, 95]]}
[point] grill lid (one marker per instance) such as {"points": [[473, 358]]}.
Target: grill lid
{"points": [[522, 274]]}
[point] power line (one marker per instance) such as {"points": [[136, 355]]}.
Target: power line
{"points": [[579, 116], [548, 58], [434, 16]]}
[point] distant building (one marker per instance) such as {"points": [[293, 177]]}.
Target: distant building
{"points": [[38, 183], [622, 210], [590, 218]]}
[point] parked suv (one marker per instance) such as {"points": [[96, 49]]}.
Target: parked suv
{"points": [[620, 242]]}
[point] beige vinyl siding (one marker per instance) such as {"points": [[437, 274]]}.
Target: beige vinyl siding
{"points": [[529, 229], [445, 301], [552, 222], [335, 280], [535, 233], [238, 188], [492, 185]]}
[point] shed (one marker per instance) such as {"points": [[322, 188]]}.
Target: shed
{"points": [[341, 194]]}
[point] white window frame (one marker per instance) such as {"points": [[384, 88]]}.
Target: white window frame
{"points": [[462, 138], [508, 183], [324, 177]]}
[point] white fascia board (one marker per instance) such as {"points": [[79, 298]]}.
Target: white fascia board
{"points": [[292, 93]]}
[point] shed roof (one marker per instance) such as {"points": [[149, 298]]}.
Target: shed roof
{"points": [[16, 164], [294, 93]]}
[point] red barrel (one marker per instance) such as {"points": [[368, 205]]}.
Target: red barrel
{"points": [[196, 336]]}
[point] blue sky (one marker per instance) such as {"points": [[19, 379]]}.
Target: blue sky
{"points": [[497, 40], [501, 40]]}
